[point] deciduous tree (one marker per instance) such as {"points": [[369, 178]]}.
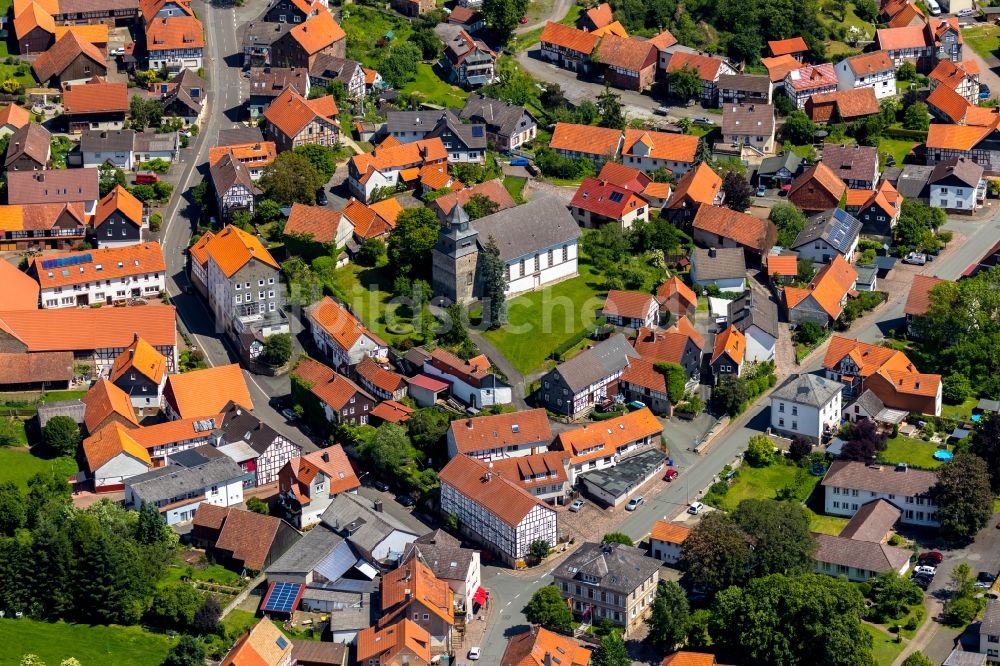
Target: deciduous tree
{"points": [[779, 532], [716, 553], [739, 196], [291, 178], [963, 496], [610, 106], [617, 537], [62, 435], [321, 157], [798, 128], [480, 205], [503, 15], [760, 451], [668, 622], [548, 609], [412, 240], [612, 651], [684, 83], [187, 652]]}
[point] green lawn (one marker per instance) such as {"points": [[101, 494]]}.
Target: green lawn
{"points": [[960, 412], [898, 148], [984, 39], [91, 645], [239, 621], [365, 27], [365, 291], [515, 186], [539, 321], [765, 482], [19, 465], [56, 396], [885, 647], [20, 72], [435, 90], [824, 524], [209, 573], [914, 452]]}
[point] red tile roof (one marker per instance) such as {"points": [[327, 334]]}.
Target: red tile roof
{"points": [[332, 388], [95, 97], [789, 46], [205, 392], [629, 53], [629, 304], [749, 231], [291, 112], [732, 343], [606, 199], [338, 322], [708, 68], [568, 38], [108, 443], [779, 66], [918, 300], [700, 185], [601, 439], [83, 329], [504, 498], [482, 433], [174, 32], [103, 400], [601, 15], [111, 263], [318, 32], [599, 141], [662, 145], [61, 54], [317, 222]]}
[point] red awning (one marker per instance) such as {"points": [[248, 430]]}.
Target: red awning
{"points": [[480, 596]]}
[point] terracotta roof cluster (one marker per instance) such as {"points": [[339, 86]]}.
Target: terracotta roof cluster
{"points": [[102, 264], [779, 66], [540, 647], [95, 96], [395, 156], [600, 16], [606, 199], [700, 185], [661, 145], [893, 366], [848, 104], [627, 53], [82, 329], [751, 232], [291, 112], [392, 411], [624, 176], [104, 400], [386, 644], [415, 582], [262, 646], [502, 497], [368, 222], [374, 374], [600, 141], [829, 288], [316, 222], [482, 433], [331, 387], [174, 32], [629, 304], [339, 323], [785, 265], [52, 186], [14, 116], [206, 392], [110, 442], [232, 248], [141, 357], [674, 287], [918, 300], [708, 68], [731, 343], [255, 154], [900, 13], [63, 53], [685, 658], [569, 38], [951, 75], [957, 109], [596, 440]]}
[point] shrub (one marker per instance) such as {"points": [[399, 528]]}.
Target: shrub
{"points": [[760, 451]]}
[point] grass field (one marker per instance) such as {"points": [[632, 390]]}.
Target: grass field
{"points": [[765, 482], [56, 396], [20, 73], [540, 321], [984, 39], [961, 412], [515, 186], [210, 573], [885, 647], [19, 465], [433, 89], [914, 452], [364, 289], [365, 27], [897, 148], [238, 621], [823, 524], [91, 645]]}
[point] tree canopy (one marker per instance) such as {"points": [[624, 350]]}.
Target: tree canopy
{"points": [[669, 619], [789, 220], [963, 496], [412, 240], [548, 609], [291, 178], [503, 15], [716, 553], [62, 435], [779, 532]]}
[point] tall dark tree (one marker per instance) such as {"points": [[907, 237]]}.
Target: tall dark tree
{"points": [[986, 445], [800, 448], [291, 178], [480, 205], [13, 513], [151, 528], [779, 531], [206, 620], [610, 106], [495, 279], [739, 196], [730, 394], [412, 240], [716, 553], [62, 435], [503, 15], [548, 609], [789, 220], [864, 441], [684, 83], [668, 622], [963, 496]]}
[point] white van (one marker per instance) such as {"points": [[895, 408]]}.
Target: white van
{"points": [[934, 7], [695, 508]]}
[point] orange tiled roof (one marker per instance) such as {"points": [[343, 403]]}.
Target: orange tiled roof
{"points": [[824, 177], [669, 532], [15, 116], [783, 264], [339, 323], [31, 18], [956, 137], [708, 68], [919, 298], [749, 231], [61, 54], [104, 399], [674, 286], [199, 251], [392, 411], [600, 439], [291, 112], [568, 38], [950, 74], [908, 37], [175, 32], [105, 264], [601, 15], [206, 392], [626, 53], [379, 377], [683, 325], [614, 28], [778, 67], [260, 647], [891, 365], [540, 647], [388, 209], [482, 433], [414, 581], [662, 145], [730, 342], [388, 642], [948, 102], [832, 283], [391, 156], [20, 290], [318, 32], [170, 432], [109, 442], [435, 176], [332, 462], [663, 41], [789, 46], [121, 200], [90, 328], [700, 185], [95, 97], [630, 304], [143, 358], [232, 248], [317, 222], [870, 63], [331, 387], [685, 658], [367, 223], [585, 139], [906, 15], [504, 498], [257, 154]]}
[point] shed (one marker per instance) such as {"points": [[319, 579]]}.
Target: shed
{"points": [[425, 390]]}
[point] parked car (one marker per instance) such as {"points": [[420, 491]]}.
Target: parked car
{"points": [[519, 161], [761, 190], [120, 51], [523, 20], [934, 7], [288, 414], [923, 582], [405, 500], [321, 199], [985, 580], [474, 653], [670, 475], [984, 91], [966, 12], [634, 503], [381, 486], [703, 120], [931, 557], [926, 569], [662, 110], [695, 508], [915, 258], [577, 505], [147, 178]]}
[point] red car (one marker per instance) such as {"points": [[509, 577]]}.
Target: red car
{"points": [[670, 475], [931, 556], [524, 19]]}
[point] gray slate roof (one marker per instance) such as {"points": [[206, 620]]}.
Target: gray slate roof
{"points": [[866, 555], [237, 135], [837, 227], [326, 66], [228, 172], [107, 141], [411, 121], [728, 263], [957, 171], [772, 165], [748, 119], [165, 483], [355, 518], [991, 618], [872, 521], [306, 553], [754, 308], [911, 181], [811, 390], [523, 230], [272, 81], [870, 402], [472, 138], [447, 562], [755, 83], [596, 363], [500, 117], [150, 142], [618, 568], [240, 425]]}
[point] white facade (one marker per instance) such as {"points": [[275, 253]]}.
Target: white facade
{"points": [[846, 501], [883, 82], [953, 198], [853, 573], [363, 346], [120, 289], [123, 159], [665, 551], [227, 296], [514, 451], [819, 251], [541, 268], [476, 396], [588, 220], [175, 60], [641, 159], [183, 509], [760, 345], [112, 474], [801, 419], [510, 543]]}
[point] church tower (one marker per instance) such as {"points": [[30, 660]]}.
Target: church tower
{"points": [[455, 257]]}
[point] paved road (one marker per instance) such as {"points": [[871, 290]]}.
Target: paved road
{"points": [[224, 109], [559, 9]]}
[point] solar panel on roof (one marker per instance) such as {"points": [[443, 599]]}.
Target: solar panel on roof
{"points": [[616, 196], [477, 131], [282, 597]]}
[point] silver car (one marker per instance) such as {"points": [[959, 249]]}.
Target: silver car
{"points": [[577, 506]]}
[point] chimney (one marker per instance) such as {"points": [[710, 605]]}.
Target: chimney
{"points": [[17, 146], [712, 252], [325, 457], [468, 424], [377, 506]]}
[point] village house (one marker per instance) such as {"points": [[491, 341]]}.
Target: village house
{"points": [[631, 309], [392, 163], [598, 144], [69, 60], [459, 567], [778, 68], [598, 202], [95, 105], [302, 45], [629, 63], [177, 490], [111, 275], [464, 142], [29, 148], [676, 298], [141, 372], [806, 405], [856, 165], [595, 18], [507, 125], [291, 120], [861, 550], [946, 142], [842, 105], [574, 387], [924, 44], [342, 401], [918, 301], [817, 189], [291, 11], [469, 381], [823, 301], [744, 89], [650, 151], [697, 188], [962, 78], [105, 404], [224, 532], [183, 96], [957, 184], [900, 13], [62, 186], [729, 354], [413, 591], [874, 70], [886, 372], [342, 337], [609, 582], [642, 382], [803, 83], [540, 647], [327, 69], [755, 315], [544, 475], [99, 147], [255, 156], [467, 62], [256, 447], [169, 437], [495, 511], [878, 211], [500, 436], [13, 118], [268, 83], [491, 189], [234, 186], [828, 234], [907, 489], [119, 221], [715, 226], [795, 47], [779, 170], [666, 540], [468, 19], [308, 483], [949, 106], [604, 444], [724, 267], [380, 381], [709, 70], [402, 643], [749, 125], [205, 392], [37, 226], [567, 47], [175, 43], [263, 644], [112, 457]]}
